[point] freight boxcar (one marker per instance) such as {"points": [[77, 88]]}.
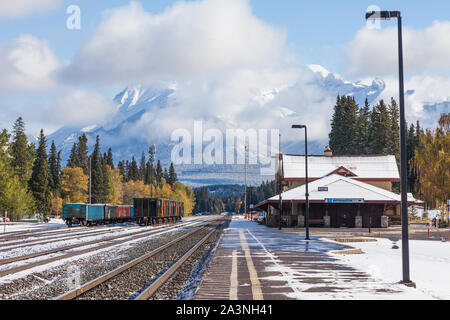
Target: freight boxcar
{"points": [[150, 211], [118, 213], [82, 213]]}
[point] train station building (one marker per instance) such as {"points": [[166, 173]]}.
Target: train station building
{"points": [[350, 191]]}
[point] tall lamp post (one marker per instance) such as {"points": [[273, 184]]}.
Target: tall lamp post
{"points": [[387, 15], [279, 182], [306, 176]]}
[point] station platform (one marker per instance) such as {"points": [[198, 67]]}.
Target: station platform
{"points": [[253, 262]]}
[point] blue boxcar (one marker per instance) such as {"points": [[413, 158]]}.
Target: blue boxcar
{"points": [[95, 212], [74, 213]]}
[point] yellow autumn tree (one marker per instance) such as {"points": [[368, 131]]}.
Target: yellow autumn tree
{"points": [[164, 191], [432, 164], [115, 195], [57, 203], [74, 185], [180, 192], [134, 189]]}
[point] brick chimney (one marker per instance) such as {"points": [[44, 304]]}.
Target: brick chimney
{"points": [[328, 152]]}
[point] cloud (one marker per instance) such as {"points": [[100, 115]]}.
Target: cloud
{"points": [[374, 52], [188, 39], [420, 91], [24, 8], [79, 107], [27, 63]]}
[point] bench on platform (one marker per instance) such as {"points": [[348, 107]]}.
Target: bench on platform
{"points": [[316, 222]]}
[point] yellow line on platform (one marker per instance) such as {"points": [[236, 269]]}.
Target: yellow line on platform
{"points": [[256, 286], [233, 277]]}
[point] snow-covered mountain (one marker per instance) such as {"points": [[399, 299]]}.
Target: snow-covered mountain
{"points": [[138, 103]]}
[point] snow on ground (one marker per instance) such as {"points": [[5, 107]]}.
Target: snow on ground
{"points": [[429, 264], [113, 252], [23, 226], [431, 213], [17, 250]]}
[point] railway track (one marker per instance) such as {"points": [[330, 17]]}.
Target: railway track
{"points": [[64, 237], [130, 279], [19, 235], [108, 242]]}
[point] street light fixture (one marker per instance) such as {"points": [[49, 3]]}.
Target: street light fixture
{"points": [[387, 15], [306, 176]]}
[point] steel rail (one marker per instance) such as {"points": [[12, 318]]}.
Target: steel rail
{"points": [[76, 253], [101, 279], [69, 236], [148, 292]]}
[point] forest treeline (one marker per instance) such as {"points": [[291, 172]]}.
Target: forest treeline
{"points": [[376, 131], [206, 201], [32, 180]]}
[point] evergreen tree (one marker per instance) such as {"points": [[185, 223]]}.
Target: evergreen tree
{"points": [[22, 154], [344, 127], [98, 191], [410, 149], [126, 170], [166, 175], [39, 182], [172, 175], [380, 129], [72, 162], [107, 187], [109, 159], [133, 171], [54, 169], [363, 124], [121, 168], [5, 168], [79, 155], [159, 172], [351, 125], [83, 154], [336, 135], [394, 133]]}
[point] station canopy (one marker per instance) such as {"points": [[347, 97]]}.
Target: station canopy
{"points": [[339, 189]]}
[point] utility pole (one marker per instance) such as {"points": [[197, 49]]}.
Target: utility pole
{"points": [[90, 179], [280, 184], [245, 181]]}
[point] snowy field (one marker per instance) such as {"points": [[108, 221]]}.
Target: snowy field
{"points": [[20, 226], [429, 265]]}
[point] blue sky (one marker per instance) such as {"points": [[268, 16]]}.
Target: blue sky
{"points": [[316, 30], [65, 66]]}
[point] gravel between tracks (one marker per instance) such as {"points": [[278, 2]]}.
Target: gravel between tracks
{"points": [[129, 283], [55, 281], [183, 284]]}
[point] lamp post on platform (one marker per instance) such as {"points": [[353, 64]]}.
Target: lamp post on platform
{"points": [[306, 176], [387, 15]]}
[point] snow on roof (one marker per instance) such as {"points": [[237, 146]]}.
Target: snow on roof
{"points": [[340, 187], [378, 167]]}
